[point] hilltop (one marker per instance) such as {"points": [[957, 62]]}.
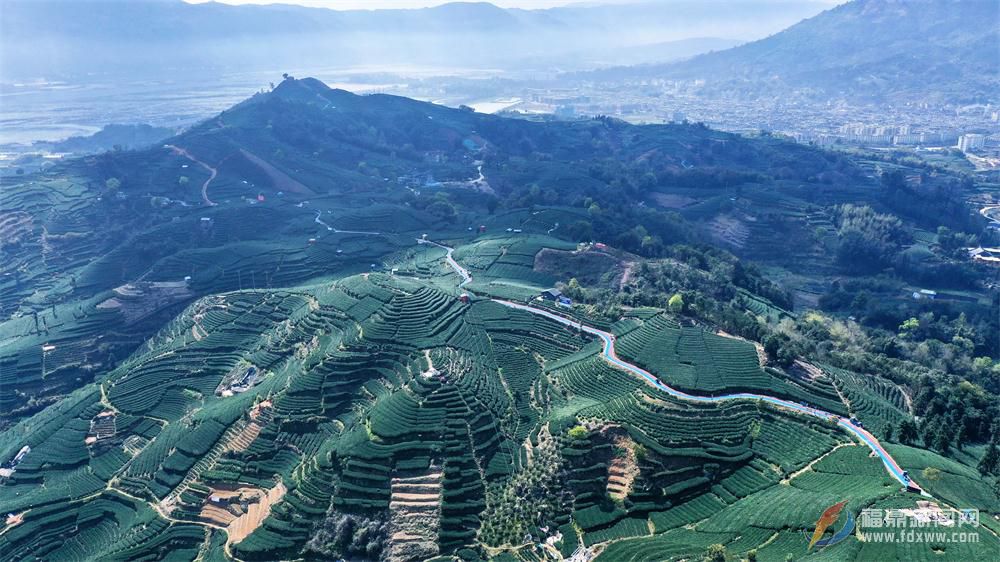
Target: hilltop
{"points": [[883, 50]]}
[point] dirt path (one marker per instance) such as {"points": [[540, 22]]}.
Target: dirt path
{"points": [[196, 332], [906, 398], [462, 272], [985, 212], [809, 466], [320, 221], [105, 401], [480, 183], [212, 171], [815, 372], [431, 371], [629, 266]]}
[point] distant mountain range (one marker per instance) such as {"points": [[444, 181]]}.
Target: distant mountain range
{"points": [[912, 51], [171, 39]]}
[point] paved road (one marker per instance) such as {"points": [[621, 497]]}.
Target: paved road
{"points": [[212, 171], [611, 356], [462, 272], [985, 211]]}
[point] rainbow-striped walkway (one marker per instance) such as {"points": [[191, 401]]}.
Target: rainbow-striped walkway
{"points": [[611, 357]]}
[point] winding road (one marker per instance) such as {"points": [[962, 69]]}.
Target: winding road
{"points": [[462, 272], [611, 356], [985, 212], [212, 171], [320, 221]]}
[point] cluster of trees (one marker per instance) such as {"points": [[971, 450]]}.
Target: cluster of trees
{"points": [[867, 241], [936, 198], [702, 281], [946, 335], [953, 243], [708, 179], [608, 208], [950, 417], [438, 205], [952, 411], [341, 535], [781, 349], [921, 266], [535, 496], [624, 168], [990, 463]]}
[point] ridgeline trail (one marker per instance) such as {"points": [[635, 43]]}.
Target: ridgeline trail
{"points": [[610, 355]]}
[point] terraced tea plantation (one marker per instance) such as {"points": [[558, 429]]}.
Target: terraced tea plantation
{"points": [[383, 416], [338, 346]]}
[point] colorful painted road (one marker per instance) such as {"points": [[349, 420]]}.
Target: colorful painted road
{"points": [[611, 357]]}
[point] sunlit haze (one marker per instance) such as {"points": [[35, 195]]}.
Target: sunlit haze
{"points": [[398, 4], [411, 4]]}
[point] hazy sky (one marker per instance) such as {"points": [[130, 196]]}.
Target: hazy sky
{"points": [[381, 4]]}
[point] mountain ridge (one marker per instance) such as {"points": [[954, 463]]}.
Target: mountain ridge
{"points": [[861, 49]]}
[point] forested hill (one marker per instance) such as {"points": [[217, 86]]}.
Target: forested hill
{"points": [[332, 141], [889, 50], [339, 128]]}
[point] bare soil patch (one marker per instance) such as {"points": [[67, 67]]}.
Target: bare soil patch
{"points": [[673, 200], [729, 230], [414, 515], [279, 179], [624, 466], [240, 523]]}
